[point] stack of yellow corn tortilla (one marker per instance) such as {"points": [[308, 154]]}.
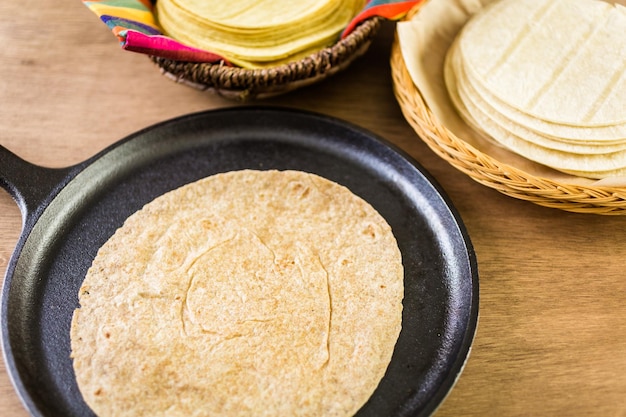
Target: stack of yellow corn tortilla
{"points": [[253, 33], [546, 79]]}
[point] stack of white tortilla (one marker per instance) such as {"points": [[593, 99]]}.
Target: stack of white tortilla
{"points": [[547, 80], [253, 33], [267, 293]]}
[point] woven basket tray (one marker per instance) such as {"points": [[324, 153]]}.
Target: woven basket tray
{"points": [[248, 84], [487, 170]]}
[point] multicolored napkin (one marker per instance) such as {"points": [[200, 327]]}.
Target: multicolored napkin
{"points": [[134, 24]]}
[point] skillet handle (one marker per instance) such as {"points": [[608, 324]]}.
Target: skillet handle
{"points": [[27, 183]]}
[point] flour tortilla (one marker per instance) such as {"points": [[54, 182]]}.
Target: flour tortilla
{"points": [[249, 292]]}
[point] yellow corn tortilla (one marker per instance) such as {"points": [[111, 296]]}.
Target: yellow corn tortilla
{"points": [[257, 34], [246, 293], [253, 14]]}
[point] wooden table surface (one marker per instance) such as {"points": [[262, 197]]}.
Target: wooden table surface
{"points": [[552, 333]]}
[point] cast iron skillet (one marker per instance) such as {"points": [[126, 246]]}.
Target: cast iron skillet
{"points": [[69, 213]]}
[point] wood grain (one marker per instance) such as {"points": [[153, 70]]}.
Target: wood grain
{"points": [[552, 333]]}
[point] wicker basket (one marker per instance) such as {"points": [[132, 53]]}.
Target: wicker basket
{"points": [[248, 84], [486, 169]]}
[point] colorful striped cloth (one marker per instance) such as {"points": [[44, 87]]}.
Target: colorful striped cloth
{"points": [[134, 24]]}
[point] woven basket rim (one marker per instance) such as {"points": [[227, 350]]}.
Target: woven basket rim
{"points": [[316, 65], [486, 169]]}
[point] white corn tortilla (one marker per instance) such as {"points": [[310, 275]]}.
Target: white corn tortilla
{"points": [[593, 165], [561, 61], [596, 135], [249, 292], [459, 85], [424, 41]]}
